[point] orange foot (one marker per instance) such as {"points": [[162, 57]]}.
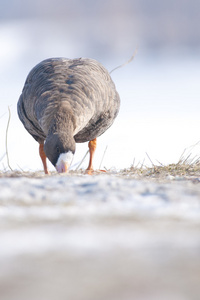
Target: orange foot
{"points": [[92, 147], [43, 158], [93, 172]]}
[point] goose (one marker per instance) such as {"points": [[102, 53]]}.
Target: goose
{"points": [[64, 102]]}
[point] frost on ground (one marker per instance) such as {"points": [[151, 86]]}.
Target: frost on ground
{"points": [[99, 237]]}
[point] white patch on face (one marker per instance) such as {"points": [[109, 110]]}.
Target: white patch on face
{"points": [[64, 159]]}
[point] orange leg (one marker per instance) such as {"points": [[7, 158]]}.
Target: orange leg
{"points": [[43, 158], [92, 147]]}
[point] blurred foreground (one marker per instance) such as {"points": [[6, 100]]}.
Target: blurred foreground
{"points": [[107, 236]]}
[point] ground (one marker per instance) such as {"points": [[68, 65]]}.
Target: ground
{"points": [[133, 234]]}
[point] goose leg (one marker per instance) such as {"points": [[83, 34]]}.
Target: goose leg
{"points": [[92, 147], [43, 158]]}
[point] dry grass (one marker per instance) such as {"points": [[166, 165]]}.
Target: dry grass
{"points": [[179, 171], [164, 173]]}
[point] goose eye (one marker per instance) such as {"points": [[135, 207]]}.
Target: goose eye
{"points": [[58, 149]]}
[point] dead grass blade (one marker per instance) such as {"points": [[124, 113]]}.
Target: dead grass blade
{"points": [[9, 117], [127, 62], [103, 157], [82, 160], [3, 156], [150, 159]]}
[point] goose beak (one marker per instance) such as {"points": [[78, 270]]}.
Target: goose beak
{"points": [[62, 167], [64, 162]]}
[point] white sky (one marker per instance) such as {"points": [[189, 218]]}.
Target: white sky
{"points": [[159, 103]]}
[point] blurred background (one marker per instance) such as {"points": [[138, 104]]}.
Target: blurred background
{"points": [[159, 89]]}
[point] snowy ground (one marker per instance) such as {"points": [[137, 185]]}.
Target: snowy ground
{"points": [[103, 237], [99, 237]]}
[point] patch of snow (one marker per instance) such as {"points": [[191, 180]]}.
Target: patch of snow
{"points": [[114, 233]]}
